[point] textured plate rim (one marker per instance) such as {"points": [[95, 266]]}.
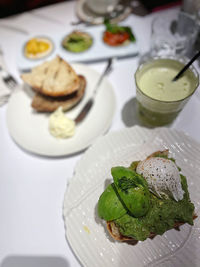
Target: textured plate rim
{"points": [[194, 142]]}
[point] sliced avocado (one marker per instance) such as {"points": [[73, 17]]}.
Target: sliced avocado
{"points": [[132, 190], [137, 201], [134, 179], [109, 206]]}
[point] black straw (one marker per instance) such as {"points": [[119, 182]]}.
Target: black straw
{"points": [[186, 67]]}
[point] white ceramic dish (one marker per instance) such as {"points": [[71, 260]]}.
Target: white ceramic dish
{"points": [[99, 51], [86, 15], [43, 55], [29, 129], [85, 231]]}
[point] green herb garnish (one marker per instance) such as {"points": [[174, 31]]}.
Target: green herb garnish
{"points": [[114, 28]]}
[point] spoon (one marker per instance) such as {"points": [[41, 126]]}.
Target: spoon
{"points": [[186, 67]]}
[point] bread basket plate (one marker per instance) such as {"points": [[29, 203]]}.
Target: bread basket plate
{"points": [[85, 231], [29, 129]]}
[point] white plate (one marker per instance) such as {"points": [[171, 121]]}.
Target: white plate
{"points": [[85, 231], [97, 52], [29, 129]]}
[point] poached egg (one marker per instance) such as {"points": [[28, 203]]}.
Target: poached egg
{"points": [[162, 176]]}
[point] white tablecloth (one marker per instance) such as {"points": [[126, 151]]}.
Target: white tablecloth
{"points": [[32, 187]]}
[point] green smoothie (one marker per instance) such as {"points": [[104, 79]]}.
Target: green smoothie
{"points": [[159, 99]]}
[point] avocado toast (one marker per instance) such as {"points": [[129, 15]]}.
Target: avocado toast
{"points": [[146, 199]]}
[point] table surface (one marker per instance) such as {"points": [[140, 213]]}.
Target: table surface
{"points": [[32, 187]]}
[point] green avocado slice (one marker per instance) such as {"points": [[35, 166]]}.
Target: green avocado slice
{"points": [[109, 206], [133, 190], [136, 200], [134, 179]]}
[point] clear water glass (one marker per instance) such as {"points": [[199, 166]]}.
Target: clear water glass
{"points": [[172, 35]]}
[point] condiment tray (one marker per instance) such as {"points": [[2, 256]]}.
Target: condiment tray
{"points": [[99, 51]]}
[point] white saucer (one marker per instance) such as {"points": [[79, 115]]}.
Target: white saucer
{"points": [[29, 129], [86, 15]]}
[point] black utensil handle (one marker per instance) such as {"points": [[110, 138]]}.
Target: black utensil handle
{"points": [[84, 111]]}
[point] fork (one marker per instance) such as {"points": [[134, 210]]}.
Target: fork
{"points": [[8, 79]]}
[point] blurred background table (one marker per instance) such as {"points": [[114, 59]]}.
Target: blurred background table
{"points": [[32, 187]]}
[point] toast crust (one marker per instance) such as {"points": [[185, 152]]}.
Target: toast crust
{"points": [[53, 78], [43, 103]]}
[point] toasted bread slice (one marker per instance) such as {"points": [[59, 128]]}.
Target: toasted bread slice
{"points": [[53, 78], [113, 229], [115, 233], [44, 103]]}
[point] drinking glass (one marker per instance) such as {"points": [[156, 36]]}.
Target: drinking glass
{"points": [[152, 112], [174, 34]]}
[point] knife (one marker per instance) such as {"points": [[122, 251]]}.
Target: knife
{"points": [[82, 114]]}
